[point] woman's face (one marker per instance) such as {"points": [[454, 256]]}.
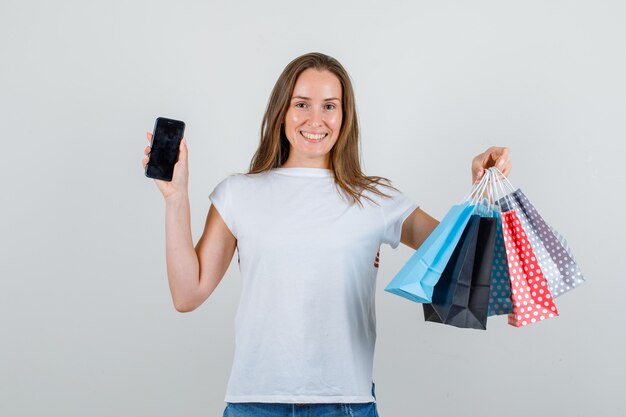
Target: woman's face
{"points": [[313, 121]]}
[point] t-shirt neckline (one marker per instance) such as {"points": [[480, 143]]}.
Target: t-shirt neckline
{"points": [[304, 172]]}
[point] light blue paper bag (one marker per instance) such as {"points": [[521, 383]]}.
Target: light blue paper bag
{"points": [[418, 276]]}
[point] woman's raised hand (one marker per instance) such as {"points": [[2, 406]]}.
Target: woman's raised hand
{"points": [[180, 179], [494, 156]]}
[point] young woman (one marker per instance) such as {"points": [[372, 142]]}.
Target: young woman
{"points": [[307, 224]]}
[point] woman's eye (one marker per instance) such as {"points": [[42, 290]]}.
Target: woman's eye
{"points": [[301, 105], [330, 107]]}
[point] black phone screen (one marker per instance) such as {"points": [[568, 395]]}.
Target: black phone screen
{"points": [[165, 147]]}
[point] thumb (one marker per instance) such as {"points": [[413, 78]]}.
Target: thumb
{"points": [[479, 174], [183, 150]]}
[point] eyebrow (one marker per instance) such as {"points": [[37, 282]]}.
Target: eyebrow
{"points": [[308, 98]]}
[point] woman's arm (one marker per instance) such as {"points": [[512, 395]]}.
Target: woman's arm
{"points": [[417, 227], [193, 274]]}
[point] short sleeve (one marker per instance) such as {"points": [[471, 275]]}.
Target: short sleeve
{"points": [[221, 199], [395, 210]]}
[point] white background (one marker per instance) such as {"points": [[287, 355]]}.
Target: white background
{"points": [[87, 325]]}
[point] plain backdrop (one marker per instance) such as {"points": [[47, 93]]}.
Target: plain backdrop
{"points": [[87, 325]]}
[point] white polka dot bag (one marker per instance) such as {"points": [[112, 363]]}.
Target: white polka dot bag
{"points": [[553, 255], [534, 276], [569, 274]]}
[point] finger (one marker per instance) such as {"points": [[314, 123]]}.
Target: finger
{"points": [[507, 169], [144, 162], [486, 156], [489, 157], [495, 156], [503, 158], [149, 137], [146, 150], [479, 175]]}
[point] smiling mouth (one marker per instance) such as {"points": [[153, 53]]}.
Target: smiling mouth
{"points": [[313, 137]]}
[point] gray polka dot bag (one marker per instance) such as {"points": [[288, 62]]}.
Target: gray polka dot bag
{"points": [[553, 254]]}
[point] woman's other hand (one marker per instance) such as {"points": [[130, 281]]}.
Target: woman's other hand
{"points": [[180, 179], [494, 156]]}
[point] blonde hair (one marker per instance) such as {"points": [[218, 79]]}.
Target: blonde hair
{"points": [[344, 158]]}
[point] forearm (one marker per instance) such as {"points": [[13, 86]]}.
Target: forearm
{"points": [[183, 268], [417, 227]]}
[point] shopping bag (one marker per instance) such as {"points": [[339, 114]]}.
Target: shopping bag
{"points": [[500, 291], [563, 242], [461, 296], [559, 269], [416, 279], [532, 300], [548, 266], [570, 275]]}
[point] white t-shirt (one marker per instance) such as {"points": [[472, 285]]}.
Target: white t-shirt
{"points": [[305, 328]]}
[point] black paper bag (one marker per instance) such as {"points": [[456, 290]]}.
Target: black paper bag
{"points": [[461, 296]]}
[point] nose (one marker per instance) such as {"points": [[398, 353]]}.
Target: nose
{"points": [[315, 117]]}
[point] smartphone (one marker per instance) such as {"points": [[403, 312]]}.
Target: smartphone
{"points": [[165, 147]]}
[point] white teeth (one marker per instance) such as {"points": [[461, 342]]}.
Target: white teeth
{"points": [[313, 136]]}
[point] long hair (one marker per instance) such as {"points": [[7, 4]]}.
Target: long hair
{"points": [[344, 157]]}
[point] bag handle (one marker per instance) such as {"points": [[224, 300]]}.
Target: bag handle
{"points": [[492, 199], [502, 178], [477, 190], [503, 185]]}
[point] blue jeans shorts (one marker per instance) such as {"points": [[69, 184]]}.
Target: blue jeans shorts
{"points": [[301, 410]]}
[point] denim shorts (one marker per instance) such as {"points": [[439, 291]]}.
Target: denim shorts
{"points": [[301, 410]]}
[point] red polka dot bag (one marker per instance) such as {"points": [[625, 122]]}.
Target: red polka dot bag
{"points": [[530, 294], [530, 266]]}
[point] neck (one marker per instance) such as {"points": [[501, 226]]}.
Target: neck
{"points": [[306, 163]]}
